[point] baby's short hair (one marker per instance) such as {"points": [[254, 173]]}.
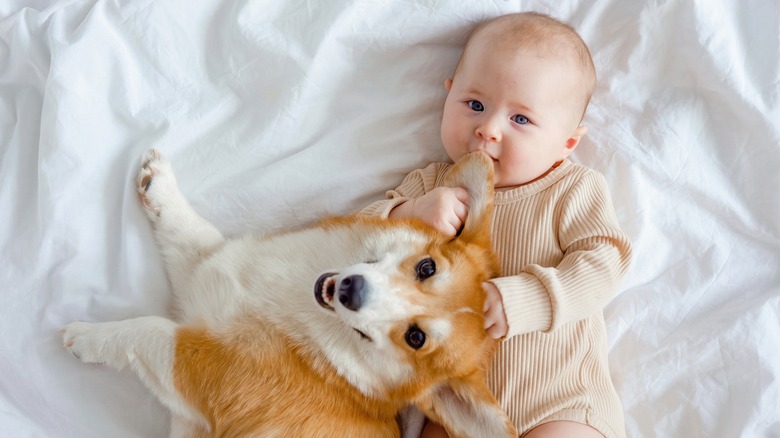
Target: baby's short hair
{"points": [[545, 35]]}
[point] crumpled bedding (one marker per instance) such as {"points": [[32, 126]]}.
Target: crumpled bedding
{"points": [[275, 113]]}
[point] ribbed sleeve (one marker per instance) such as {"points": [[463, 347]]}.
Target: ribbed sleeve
{"points": [[414, 185], [573, 254]]}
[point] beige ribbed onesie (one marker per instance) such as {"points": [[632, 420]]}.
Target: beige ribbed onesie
{"points": [[562, 255]]}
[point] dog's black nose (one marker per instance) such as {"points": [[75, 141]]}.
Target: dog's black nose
{"points": [[352, 291]]}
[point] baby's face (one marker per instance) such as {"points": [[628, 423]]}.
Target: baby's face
{"points": [[521, 109]]}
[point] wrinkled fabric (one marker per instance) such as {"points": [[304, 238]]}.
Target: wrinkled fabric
{"points": [[275, 113]]}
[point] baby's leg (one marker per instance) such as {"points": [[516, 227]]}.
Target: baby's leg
{"points": [[563, 429], [183, 236]]}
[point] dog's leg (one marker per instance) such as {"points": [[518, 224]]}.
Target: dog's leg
{"points": [[144, 344], [183, 236]]}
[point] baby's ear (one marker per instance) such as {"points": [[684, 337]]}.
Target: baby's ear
{"points": [[575, 138]]}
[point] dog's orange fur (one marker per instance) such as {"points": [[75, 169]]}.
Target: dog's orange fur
{"points": [[229, 380]]}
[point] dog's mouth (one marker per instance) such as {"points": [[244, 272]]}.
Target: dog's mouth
{"points": [[324, 293], [325, 290]]}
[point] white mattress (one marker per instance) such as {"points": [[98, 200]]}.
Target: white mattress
{"points": [[275, 113]]}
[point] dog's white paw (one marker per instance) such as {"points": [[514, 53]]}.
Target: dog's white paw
{"points": [[155, 182], [90, 343]]}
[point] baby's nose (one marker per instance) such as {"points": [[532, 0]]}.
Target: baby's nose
{"points": [[489, 131]]}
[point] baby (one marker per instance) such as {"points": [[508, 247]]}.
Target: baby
{"points": [[519, 94]]}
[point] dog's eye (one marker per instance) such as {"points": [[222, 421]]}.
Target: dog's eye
{"points": [[426, 268], [415, 337]]}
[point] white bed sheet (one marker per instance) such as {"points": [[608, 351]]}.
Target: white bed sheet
{"points": [[277, 112]]}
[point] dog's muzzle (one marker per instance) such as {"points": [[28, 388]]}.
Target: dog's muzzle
{"points": [[351, 291], [351, 294]]}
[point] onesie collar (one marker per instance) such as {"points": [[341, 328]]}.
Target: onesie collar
{"points": [[524, 191]]}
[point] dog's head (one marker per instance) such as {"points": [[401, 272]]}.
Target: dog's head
{"points": [[415, 306]]}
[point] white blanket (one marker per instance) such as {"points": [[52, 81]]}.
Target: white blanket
{"points": [[275, 113]]}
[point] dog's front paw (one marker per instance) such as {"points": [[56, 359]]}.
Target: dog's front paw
{"points": [[155, 182], [90, 343]]}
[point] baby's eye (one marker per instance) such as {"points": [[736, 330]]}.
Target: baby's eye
{"points": [[475, 105], [520, 119]]}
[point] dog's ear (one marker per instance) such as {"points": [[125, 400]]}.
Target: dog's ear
{"points": [[464, 405], [474, 172], [466, 408]]}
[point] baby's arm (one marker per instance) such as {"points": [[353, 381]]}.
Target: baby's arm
{"points": [[596, 256], [441, 207], [414, 185]]}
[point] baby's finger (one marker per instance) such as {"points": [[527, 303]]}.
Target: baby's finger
{"points": [[495, 332], [448, 227], [461, 195], [461, 212]]}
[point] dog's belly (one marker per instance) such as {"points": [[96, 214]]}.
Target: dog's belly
{"points": [[274, 275], [256, 382]]}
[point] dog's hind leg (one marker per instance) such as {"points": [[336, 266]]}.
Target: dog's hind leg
{"points": [[184, 237], [145, 344]]}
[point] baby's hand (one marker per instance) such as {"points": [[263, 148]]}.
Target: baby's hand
{"points": [[495, 318], [443, 208]]}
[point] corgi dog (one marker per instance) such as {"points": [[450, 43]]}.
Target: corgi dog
{"points": [[326, 331]]}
